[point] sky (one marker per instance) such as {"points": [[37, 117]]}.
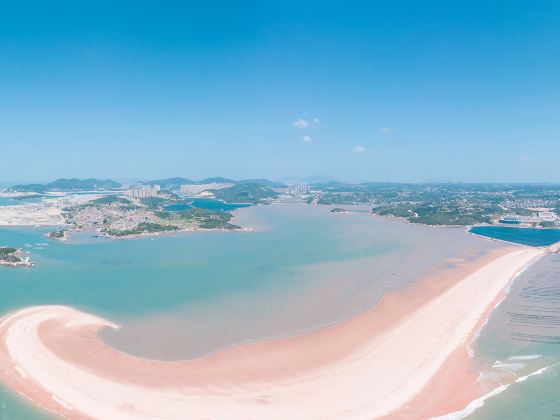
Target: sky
{"points": [[357, 90]]}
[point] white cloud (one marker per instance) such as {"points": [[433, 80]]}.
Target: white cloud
{"points": [[385, 129], [307, 139], [526, 157], [358, 149], [316, 121], [301, 123]]}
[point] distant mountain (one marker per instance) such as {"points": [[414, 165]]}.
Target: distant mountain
{"points": [[217, 180], [35, 188], [69, 184], [263, 182], [309, 180], [170, 183], [175, 183]]}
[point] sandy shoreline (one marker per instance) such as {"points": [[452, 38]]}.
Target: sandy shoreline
{"points": [[47, 212], [407, 357]]}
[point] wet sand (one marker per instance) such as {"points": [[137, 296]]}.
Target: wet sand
{"points": [[395, 355]]}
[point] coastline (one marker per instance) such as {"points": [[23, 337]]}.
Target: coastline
{"points": [[351, 352], [169, 232]]}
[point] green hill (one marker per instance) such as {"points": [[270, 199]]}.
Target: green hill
{"points": [[217, 180], [245, 193], [69, 184]]}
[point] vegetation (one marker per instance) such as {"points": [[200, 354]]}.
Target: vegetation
{"points": [[111, 199], [397, 211], [345, 198], [34, 188], [153, 201], [263, 182], [7, 254], [72, 184], [208, 219], [57, 234], [164, 221], [142, 228], [442, 204], [198, 218], [165, 215], [217, 180], [245, 193], [175, 183], [169, 194], [6, 250]]}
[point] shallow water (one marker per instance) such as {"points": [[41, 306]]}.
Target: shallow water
{"points": [[523, 335], [10, 201], [184, 295], [13, 407]]}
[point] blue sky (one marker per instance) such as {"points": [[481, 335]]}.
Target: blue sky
{"points": [[370, 90]]}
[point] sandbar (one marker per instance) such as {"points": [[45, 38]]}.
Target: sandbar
{"points": [[405, 358]]}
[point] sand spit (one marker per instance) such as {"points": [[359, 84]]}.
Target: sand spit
{"points": [[370, 366]]}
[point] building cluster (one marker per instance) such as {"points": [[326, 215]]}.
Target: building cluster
{"points": [[538, 216], [192, 189], [526, 203], [145, 191], [92, 217], [293, 189]]}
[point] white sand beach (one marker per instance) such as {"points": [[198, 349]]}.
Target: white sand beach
{"points": [[370, 366]]}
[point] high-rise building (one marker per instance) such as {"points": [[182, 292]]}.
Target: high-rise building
{"points": [[145, 191]]}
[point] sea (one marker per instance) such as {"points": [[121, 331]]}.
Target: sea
{"points": [[207, 204], [184, 295], [11, 201]]}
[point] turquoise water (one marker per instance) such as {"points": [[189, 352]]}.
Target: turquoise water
{"points": [[6, 201], [9, 201], [13, 407], [523, 236], [205, 203], [523, 335], [184, 295]]}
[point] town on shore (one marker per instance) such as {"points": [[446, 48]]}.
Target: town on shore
{"points": [[110, 209]]}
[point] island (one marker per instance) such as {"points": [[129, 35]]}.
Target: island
{"points": [[13, 257], [59, 234]]}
